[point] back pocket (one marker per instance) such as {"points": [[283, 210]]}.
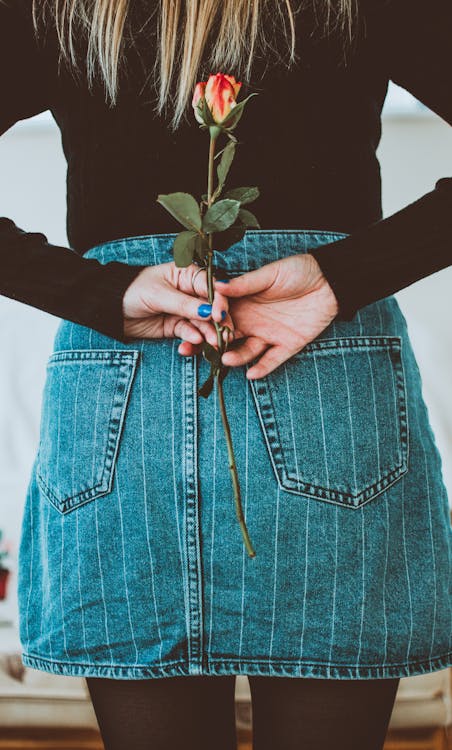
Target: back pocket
{"points": [[334, 419], [82, 415]]}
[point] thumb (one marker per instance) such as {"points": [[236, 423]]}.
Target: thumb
{"points": [[251, 282]]}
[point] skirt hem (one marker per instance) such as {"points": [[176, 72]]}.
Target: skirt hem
{"points": [[240, 666]]}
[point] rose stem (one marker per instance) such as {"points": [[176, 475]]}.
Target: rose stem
{"points": [[231, 457]]}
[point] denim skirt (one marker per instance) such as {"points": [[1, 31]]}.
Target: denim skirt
{"points": [[131, 561]]}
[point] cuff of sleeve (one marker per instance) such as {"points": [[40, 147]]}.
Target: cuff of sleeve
{"points": [[333, 261], [388, 255], [116, 278]]}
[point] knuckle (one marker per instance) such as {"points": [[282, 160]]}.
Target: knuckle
{"points": [[177, 326], [188, 307]]}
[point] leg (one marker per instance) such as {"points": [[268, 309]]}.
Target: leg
{"points": [[168, 713], [295, 713]]}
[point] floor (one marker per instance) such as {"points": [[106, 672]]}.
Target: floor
{"points": [[40, 739]]}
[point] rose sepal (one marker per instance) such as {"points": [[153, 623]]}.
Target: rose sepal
{"points": [[231, 120]]}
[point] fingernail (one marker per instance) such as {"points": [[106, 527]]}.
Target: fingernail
{"points": [[223, 314], [223, 281], [204, 310]]}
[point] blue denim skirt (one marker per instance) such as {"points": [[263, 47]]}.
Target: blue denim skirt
{"points": [[131, 562]]}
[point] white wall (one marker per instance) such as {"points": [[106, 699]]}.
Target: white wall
{"points": [[415, 151]]}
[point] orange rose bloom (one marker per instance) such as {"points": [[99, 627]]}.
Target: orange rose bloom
{"points": [[220, 93]]}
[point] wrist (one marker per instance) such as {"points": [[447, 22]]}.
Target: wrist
{"points": [[319, 281], [130, 291]]}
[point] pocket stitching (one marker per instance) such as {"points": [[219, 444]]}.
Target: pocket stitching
{"points": [[126, 361], [261, 388]]}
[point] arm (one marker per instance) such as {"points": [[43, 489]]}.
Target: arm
{"points": [[392, 253], [52, 278]]}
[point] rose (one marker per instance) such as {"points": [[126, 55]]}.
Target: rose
{"points": [[215, 104], [217, 111], [219, 93]]}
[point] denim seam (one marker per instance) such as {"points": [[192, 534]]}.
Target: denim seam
{"points": [[445, 654], [220, 665], [109, 355], [192, 530], [127, 361], [266, 407], [386, 479], [259, 232], [85, 496]]}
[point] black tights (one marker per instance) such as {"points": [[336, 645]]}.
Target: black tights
{"points": [[197, 712]]}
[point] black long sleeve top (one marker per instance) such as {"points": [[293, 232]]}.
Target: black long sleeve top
{"points": [[308, 141]]}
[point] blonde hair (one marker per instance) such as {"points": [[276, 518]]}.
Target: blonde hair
{"points": [[182, 32]]}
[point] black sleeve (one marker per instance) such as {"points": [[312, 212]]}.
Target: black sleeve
{"points": [[392, 253], [52, 278]]}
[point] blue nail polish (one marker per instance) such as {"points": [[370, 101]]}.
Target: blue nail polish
{"points": [[224, 281], [204, 310], [223, 314]]}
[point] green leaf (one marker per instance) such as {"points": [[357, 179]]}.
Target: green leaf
{"points": [[214, 357], [236, 112], [207, 386], [184, 248], [183, 207], [247, 218], [243, 194], [223, 372], [211, 354], [226, 161], [215, 370], [219, 153], [220, 215], [206, 113], [224, 240]]}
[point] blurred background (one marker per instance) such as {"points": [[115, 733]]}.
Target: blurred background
{"points": [[415, 151]]}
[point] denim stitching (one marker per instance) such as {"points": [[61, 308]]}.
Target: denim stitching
{"points": [[193, 558], [268, 410], [259, 232], [391, 320], [125, 361], [228, 666], [386, 480]]}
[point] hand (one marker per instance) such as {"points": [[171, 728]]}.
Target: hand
{"points": [[279, 308], [160, 302]]}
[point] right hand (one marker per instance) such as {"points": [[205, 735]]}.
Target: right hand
{"points": [[160, 303]]}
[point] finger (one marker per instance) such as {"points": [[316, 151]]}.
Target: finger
{"points": [[193, 280], [198, 280], [250, 282], [186, 305], [220, 309], [273, 358], [210, 335], [209, 332], [188, 349], [207, 329], [245, 352], [200, 287], [182, 329]]}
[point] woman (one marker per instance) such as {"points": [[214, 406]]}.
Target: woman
{"points": [[132, 568]]}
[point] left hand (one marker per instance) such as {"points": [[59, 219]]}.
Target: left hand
{"points": [[278, 308], [162, 303]]}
